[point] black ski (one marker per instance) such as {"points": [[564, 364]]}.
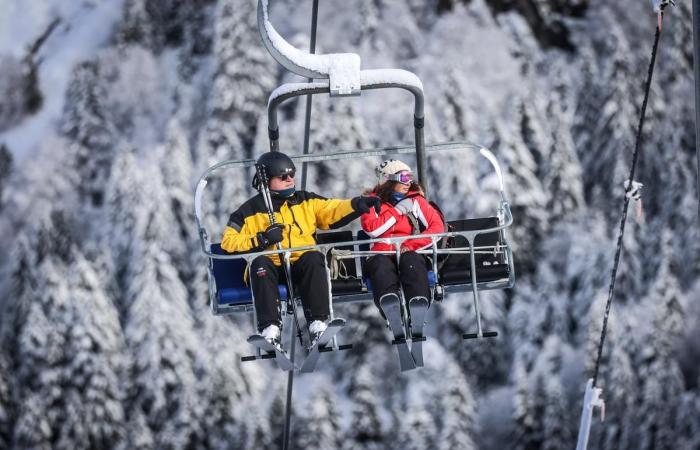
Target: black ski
{"points": [[391, 305], [283, 361], [319, 346], [418, 307]]}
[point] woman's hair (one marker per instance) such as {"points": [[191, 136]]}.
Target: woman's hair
{"points": [[385, 190]]}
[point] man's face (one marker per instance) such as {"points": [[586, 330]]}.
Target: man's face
{"points": [[281, 183]]}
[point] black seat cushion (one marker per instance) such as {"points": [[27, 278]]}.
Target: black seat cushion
{"points": [[489, 267]]}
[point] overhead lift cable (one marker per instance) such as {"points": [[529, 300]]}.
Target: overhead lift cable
{"points": [[592, 395]]}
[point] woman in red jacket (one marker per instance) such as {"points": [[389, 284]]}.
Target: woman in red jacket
{"points": [[404, 212]]}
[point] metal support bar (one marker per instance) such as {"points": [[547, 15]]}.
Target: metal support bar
{"points": [[591, 399], [696, 68]]}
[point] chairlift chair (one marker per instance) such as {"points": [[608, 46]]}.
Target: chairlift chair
{"points": [[480, 243]]}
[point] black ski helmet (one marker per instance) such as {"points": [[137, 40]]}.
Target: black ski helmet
{"points": [[276, 164]]}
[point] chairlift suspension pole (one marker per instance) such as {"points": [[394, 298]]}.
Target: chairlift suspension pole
{"points": [[307, 127], [696, 69], [307, 119]]}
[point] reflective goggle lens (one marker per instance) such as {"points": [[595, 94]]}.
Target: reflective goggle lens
{"points": [[404, 177]]}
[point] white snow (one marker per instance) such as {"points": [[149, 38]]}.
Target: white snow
{"points": [[395, 76], [85, 27]]}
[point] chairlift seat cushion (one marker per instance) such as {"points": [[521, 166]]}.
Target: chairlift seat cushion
{"points": [[489, 267], [230, 286]]}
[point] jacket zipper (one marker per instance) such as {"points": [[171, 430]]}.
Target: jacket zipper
{"points": [[294, 219]]}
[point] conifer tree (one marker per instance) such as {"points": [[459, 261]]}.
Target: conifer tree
{"points": [[365, 427], [319, 427], [5, 170], [87, 125], [70, 352], [6, 403], [662, 380], [458, 413], [160, 333]]}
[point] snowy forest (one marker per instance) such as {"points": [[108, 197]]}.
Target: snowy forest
{"points": [[110, 110]]}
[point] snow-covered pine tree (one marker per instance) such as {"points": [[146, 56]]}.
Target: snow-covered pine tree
{"points": [[175, 162], [136, 26], [529, 199], [365, 427], [6, 403], [139, 436], [5, 170], [335, 126], [687, 424], [236, 102], [416, 428], [522, 411], [661, 378], [161, 336], [486, 360], [630, 281], [605, 120], [229, 384], [71, 362], [237, 98], [319, 427], [258, 430], [86, 124], [457, 413], [277, 415], [557, 433]]}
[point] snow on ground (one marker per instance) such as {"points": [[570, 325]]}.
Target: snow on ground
{"points": [[85, 27]]}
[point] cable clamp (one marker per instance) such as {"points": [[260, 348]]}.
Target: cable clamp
{"points": [[633, 191]]}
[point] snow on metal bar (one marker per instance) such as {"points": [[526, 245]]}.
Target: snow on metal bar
{"points": [[390, 76], [343, 69], [289, 88]]}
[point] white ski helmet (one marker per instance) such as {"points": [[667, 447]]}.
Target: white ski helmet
{"points": [[390, 167]]}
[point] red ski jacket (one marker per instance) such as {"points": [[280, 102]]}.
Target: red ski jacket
{"points": [[390, 223]]}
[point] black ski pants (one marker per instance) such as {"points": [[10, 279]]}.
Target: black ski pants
{"points": [[386, 277], [310, 283]]}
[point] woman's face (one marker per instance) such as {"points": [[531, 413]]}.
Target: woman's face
{"points": [[401, 188]]}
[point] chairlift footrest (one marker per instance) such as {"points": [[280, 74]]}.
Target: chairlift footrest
{"points": [[485, 334], [330, 348], [405, 341], [253, 357]]}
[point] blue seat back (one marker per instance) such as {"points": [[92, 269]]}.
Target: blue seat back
{"points": [[230, 285]]}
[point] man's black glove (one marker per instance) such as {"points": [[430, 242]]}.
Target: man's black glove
{"points": [[363, 204], [271, 236]]}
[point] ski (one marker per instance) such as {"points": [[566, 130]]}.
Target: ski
{"points": [[418, 307], [309, 363], [391, 305], [283, 361]]}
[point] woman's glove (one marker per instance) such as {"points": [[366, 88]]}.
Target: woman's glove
{"points": [[271, 236], [405, 206], [364, 204]]}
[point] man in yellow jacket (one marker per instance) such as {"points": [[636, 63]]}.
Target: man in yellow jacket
{"points": [[298, 214]]}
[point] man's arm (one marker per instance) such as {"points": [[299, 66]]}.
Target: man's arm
{"points": [[238, 237]]}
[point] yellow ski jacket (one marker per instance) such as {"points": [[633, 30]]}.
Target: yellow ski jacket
{"points": [[301, 214]]}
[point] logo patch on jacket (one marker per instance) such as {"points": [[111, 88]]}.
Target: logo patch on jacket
{"points": [[261, 272]]}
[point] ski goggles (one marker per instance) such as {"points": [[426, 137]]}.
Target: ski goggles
{"points": [[286, 176], [403, 177]]}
